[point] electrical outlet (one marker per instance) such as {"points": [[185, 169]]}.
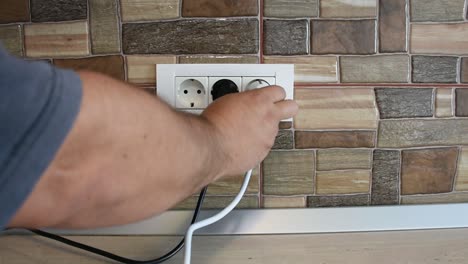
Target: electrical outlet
{"points": [[191, 92], [250, 83]]}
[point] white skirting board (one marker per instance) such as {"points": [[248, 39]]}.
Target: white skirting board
{"points": [[299, 221]]}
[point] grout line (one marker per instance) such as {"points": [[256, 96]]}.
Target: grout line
{"points": [[309, 36], [360, 85], [459, 73], [260, 31], [377, 27], [314, 191], [433, 103], [338, 69], [453, 102], [408, 25], [399, 174], [457, 161], [465, 10]]}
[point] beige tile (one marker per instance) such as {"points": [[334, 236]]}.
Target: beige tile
{"points": [[104, 26], [309, 69], [288, 8], [284, 201], [11, 37], [218, 59], [374, 69], [142, 69], [443, 105], [336, 108], [439, 38], [343, 159], [57, 40], [218, 202], [341, 182], [231, 186], [142, 10], [443, 198], [348, 8], [461, 183]]}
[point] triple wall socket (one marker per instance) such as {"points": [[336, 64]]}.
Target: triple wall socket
{"points": [[188, 87]]}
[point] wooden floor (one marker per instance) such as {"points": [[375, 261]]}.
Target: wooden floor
{"points": [[410, 247]]}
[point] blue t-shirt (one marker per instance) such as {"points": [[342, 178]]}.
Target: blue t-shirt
{"points": [[38, 106]]}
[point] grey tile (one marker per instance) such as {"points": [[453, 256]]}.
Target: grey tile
{"points": [[284, 140], [374, 69], [437, 10], [11, 37], [287, 8], [404, 102], [285, 37], [338, 200], [385, 177], [434, 69], [104, 26], [58, 10]]}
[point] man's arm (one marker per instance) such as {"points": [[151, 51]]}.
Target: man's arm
{"points": [[130, 156]]}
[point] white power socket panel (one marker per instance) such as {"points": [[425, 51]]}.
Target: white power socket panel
{"points": [[187, 87]]}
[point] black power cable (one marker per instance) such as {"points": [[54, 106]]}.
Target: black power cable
{"points": [[124, 260]]}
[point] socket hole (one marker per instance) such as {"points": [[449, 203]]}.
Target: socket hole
{"points": [[223, 87], [198, 92], [185, 92]]}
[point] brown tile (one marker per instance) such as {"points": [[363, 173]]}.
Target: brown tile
{"points": [[330, 108], [285, 125], [231, 185], [289, 173], [348, 9], [426, 171], [285, 37], [461, 96], [287, 8], [58, 10], [418, 133], [404, 102], [374, 69], [434, 69], [443, 104], [11, 38], [443, 198], [343, 182], [108, 65], [142, 69], [284, 140], [308, 69], [284, 201], [218, 59], [343, 159], [216, 8], [386, 177], [104, 26], [464, 70], [461, 184], [343, 37], [334, 139], [218, 202], [143, 10], [437, 10], [192, 36], [392, 25], [338, 200], [439, 38], [14, 11], [56, 40]]}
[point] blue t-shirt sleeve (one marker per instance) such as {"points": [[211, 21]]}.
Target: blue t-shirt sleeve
{"points": [[38, 106]]}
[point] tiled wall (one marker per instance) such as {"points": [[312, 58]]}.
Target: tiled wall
{"points": [[382, 85]]}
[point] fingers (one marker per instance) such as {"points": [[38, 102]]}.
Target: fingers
{"points": [[272, 93], [287, 109]]}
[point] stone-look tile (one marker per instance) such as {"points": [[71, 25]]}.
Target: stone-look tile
{"points": [[309, 69], [348, 9], [11, 38], [338, 201], [218, 202], [404, 102], [104, 26], [417, 133], [231, 185], [14, 11], [343, 159], [439, 38], [385, 177], [343, 182], [285, 37], [464, 70], [56, 40], [443, 103], [336, 108], [58, 10], [461, 184], [287, 8], [426, 171], [143, 10], [192, 36], [289, 173], [444, 198], [461, 96], [343, 37], [284, 201], [285, 125], [334, 139], [434, 69], [437, 10], [194, 59], [392, 25], [375, 69], [142, 69], [112, 66], [216, 8], [284, 140]]}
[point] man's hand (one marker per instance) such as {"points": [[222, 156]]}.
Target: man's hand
{"points": [[246, 125]]}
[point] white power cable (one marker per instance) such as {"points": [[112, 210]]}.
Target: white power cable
{"points": [[214, 218]]}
